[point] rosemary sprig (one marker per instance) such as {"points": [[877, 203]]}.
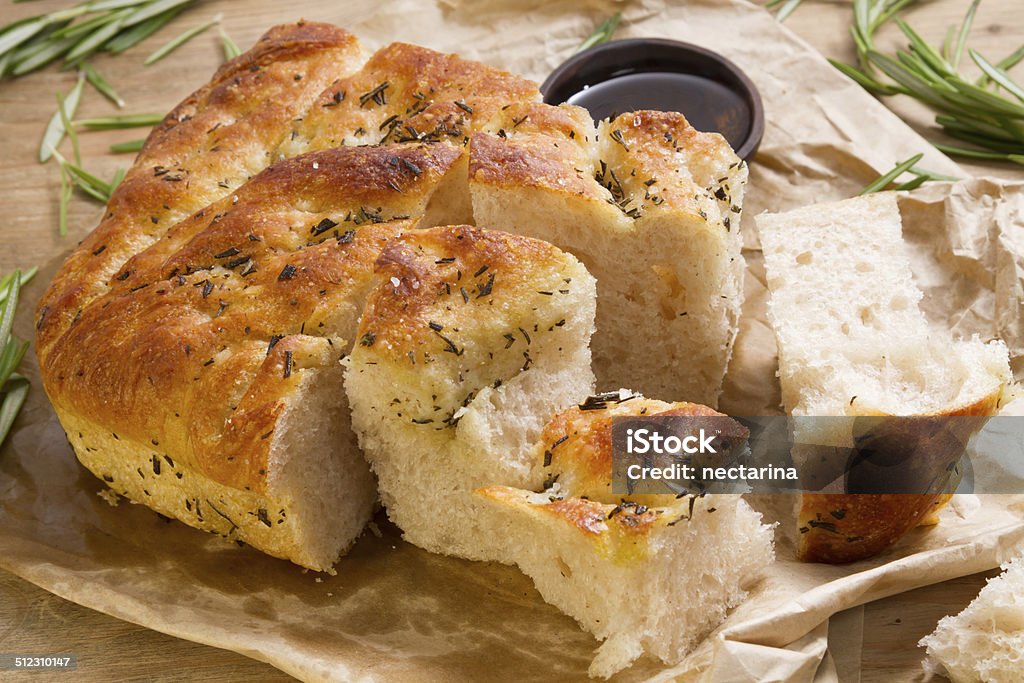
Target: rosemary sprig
{"points": [[74, 177], [55, 130], [76, 32], [66, 123], [102, 86], [231, 49], [921, 176], [173, 44], [987, 112], [13, 386], [126, 147], [23, 279], [120, 122], [602, 34]]}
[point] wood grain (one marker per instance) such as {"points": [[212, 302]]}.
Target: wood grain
{"points": [[34, 621]]}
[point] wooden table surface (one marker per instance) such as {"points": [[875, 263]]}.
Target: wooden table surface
{"points": [[34, 621]]}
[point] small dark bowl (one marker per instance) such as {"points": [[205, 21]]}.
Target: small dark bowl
{"points": [[667, 75]]}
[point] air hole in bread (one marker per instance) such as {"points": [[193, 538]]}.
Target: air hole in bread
{"points": [[867, 314], [864, 267], [804, 258], [563, 568]]}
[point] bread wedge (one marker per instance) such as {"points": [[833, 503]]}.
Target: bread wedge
{"points": [[852, 342], [650, 573], [652, 208], [985, 642], [469, 340]]}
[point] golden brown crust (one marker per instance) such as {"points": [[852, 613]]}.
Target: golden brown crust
{"points": [[648, 162], [576, 445], [465, 269], [407, 93], [217, 319], [837, 528], [539, 146], [208, 145], [622, 532]]}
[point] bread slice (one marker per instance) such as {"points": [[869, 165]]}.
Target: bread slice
{"points": [[652, 208], [206, 384], [852, 341], [985, 642], [653, 573], [469, 340]]}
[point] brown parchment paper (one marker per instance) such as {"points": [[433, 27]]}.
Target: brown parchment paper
{"points": [[396, 613]]}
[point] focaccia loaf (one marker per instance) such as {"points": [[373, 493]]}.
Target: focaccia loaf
{"points": [[197, 329], [852, 341], [652, 208]]}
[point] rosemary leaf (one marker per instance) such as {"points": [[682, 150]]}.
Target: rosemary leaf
{"points": [[602, 34], [231, 49], [17, 390], [175, 43], [69, 129], [885, 180], [65, 199], [55, 129], [36, 57], [864, 80], [95, 40], [10, 358], [917, 182], [151, 10], [998, 75], [120, 122], [96, 79], [139, 32], [787, 8], [126, 147], [16, 35], [104, 5], [98, 194], [73, 30], [9, 305], [83, 180], [969, 153], [961, 39], [115, 181], [23, 279]]}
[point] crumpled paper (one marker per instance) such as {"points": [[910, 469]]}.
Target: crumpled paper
{"points": [[394, 612]]}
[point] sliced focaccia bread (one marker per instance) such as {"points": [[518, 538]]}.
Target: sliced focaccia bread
{"points": [[469, 340], [652, 208], [852, 341], [206, 382], [651, 573], [985, 642]]}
